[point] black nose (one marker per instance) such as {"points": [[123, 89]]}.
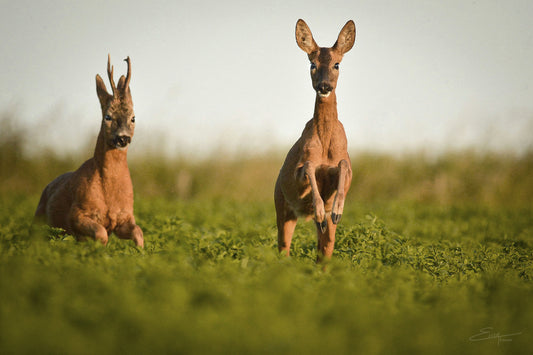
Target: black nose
{"points": [[122, 141], [324, 88]]}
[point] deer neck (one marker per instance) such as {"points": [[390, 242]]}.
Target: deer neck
{"points": [[112, 163], [325, 117]]}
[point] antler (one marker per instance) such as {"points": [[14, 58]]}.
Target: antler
{"points": [[128, 76], [110, 74]]}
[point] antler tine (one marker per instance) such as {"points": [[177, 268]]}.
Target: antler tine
{"points": [[110, 73], [128, 76]]}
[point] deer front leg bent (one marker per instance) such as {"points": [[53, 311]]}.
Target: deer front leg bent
{"points": [[130, 230], [318, 203], [86, 227], [338, 203]]}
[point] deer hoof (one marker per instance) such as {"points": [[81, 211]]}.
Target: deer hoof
{"points": [[335, 218], [322, 226]]}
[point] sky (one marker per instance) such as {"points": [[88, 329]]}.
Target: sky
{"points": [[227, 76]]}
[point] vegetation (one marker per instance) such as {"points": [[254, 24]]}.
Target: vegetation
{"points": [[429, 252]]}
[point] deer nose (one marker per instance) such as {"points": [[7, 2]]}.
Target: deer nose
{"points": [[122, 141], [324, 88]]}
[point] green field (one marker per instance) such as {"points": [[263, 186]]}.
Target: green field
{"points": [[429, 252]]}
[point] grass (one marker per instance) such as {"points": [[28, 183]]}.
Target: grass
{"points": [[429, 252], [422, 279]]}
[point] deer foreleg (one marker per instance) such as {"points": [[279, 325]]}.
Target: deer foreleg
{"points": [[318, 203], [129, 230], [86, 227], [338, 203]]}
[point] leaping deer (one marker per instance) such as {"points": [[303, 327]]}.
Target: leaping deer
{"points": [[317, 174], [97, 199]]}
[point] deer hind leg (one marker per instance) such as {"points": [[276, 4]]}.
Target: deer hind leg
{"points": [[326, 241], [286, 222], [40, 213], [130, 230], [338, 203], [285, 232], [318, 203]]}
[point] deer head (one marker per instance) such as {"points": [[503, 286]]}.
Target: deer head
{"points": [[118, 119], [325, 61]]}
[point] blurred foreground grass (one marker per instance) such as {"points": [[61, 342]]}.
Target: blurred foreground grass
{"points": [[429, 252]]}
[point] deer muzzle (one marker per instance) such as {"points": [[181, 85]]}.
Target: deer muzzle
{"points": [[323, 89], [121, 141]]}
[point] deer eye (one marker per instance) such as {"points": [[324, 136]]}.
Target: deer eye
{"points": [[336, 66], [133, 119], [107, 118], [313, 66]]}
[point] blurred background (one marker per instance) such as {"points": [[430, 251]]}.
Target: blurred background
{"points": [[219, 80], [228, 74]]}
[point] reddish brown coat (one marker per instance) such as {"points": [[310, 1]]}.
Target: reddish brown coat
{"points": [[97, 199], [317, 174]]}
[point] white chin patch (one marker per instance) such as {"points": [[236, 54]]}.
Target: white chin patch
{"points": [[324, 95]]}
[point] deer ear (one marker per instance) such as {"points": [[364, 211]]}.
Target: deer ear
{"points": [[121, 83], [101, 91], [123, 90], [304, 37], [346, 38]]}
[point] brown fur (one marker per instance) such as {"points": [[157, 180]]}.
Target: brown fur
{"points": [[97, 199], [317, 173]]}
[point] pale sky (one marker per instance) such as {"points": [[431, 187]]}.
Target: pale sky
{"points": [[228, 75]]}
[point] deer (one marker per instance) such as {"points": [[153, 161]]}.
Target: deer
{"points": [[316, 174], [97, 199]]}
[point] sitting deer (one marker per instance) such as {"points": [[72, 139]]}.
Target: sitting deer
{"points": [[97, 199], [317, 174]]}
